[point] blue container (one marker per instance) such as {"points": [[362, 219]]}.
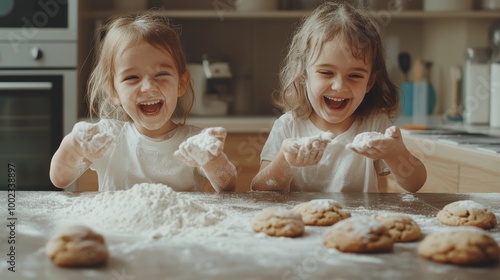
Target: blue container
{"points": [[406, 99]]}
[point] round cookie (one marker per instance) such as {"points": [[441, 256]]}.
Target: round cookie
{"points": [[402, 228], [358, 234], [278, 221], [467, 213], [77, 246], [321, 212], [461, 246]]}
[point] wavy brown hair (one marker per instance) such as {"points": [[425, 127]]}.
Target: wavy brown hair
{"points": [[358, 30], [120, 33]]}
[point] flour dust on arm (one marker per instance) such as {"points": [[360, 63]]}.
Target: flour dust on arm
{"points": [[205, 150], [86, 143]]}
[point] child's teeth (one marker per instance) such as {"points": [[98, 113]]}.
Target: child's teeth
{"points": [[336, 99], [150, 103]]}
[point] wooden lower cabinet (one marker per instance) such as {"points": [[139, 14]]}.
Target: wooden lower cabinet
{"points": [[473, 179], [242, 149], [442, 177], [455, 168]]}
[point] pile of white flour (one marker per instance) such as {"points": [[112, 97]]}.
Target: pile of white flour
{"points": [[146, 209]]}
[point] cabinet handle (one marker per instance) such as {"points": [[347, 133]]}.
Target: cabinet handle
{"points": [[25, 85]]}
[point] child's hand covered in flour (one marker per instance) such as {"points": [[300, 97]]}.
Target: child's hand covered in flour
{"points": [[300, 152], [93, 139], [200, 149], [376, 145]]}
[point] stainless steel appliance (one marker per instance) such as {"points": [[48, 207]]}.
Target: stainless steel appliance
{"points": [[38, 86], [211, 82]]}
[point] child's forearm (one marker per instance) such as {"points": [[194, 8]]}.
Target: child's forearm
{"points": [[68, 163], [409, 171], [275, 176], [221, 173]]}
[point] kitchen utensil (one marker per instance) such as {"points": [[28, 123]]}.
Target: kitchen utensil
{"points": [[404, 61], [477, 86], [428, 68], [418, 71], [454, 114]]}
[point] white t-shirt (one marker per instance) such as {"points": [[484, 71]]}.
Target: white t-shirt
{"points": [[135, 158], [340, 169]]}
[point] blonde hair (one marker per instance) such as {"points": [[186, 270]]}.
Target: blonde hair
{"points": [[360, 32], [120, 33]]}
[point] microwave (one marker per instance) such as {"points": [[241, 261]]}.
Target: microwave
{"points": [[23, 21]]}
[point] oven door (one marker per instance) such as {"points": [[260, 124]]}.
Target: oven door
{"points": [[24, 20], [31, 128]]}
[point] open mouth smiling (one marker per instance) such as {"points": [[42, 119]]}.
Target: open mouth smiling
{"points": [[336, 103], [151, 107]]}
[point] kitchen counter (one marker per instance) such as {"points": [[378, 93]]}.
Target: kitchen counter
{"points": [[231, 250]]}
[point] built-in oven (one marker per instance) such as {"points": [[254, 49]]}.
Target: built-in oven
{"points": [[38, 87]]}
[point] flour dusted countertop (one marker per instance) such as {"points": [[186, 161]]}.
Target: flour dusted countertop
{"points": [[159, 234]]}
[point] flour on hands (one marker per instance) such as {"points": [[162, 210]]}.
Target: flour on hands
{"points": [[93, 139], [376, 145], [307, 150], [200, 149]]}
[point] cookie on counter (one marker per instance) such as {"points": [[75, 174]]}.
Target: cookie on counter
{"points": [[464, 245], [77, 245], [467, 213], [358, 234], [278, 221], [401, 227], [321, 212]]}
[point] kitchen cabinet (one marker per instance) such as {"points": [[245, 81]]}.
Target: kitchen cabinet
{"points": [[243, 149], [255, 43], [453, 168]]}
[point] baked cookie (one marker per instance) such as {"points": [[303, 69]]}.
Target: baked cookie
{"points": [[467, 213], [401, 227], [321, 212], [278, 221], [77, 246], [461, 246], [358, 234]]}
